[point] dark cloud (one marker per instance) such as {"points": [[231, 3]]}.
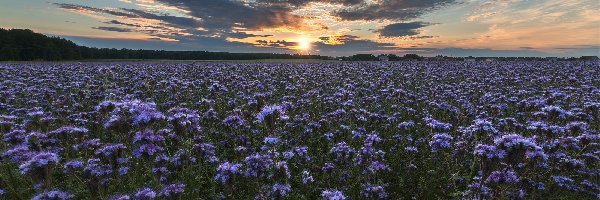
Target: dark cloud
{"points": [[177, 21], [116, 22], [242, 35], [133, 13], [219, 18], [225, 14], [276, 43], [299, 3], [114, 29], [421, 37], [92, 9], [338, 38], [397, 10], [402, 29]]}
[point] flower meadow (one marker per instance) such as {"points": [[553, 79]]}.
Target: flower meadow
{"points": [[331, 130]]}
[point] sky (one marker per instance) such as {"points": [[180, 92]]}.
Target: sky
{"points": [[561, 28]]}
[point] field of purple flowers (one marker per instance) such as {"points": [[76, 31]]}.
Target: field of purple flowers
{"points": [[337, 130]]}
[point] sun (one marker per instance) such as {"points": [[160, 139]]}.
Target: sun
{"points": [[303, 43]]}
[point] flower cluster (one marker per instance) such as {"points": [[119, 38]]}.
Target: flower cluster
{"points": [[315, 130]]}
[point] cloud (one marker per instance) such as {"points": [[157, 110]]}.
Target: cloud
{"points": [[338, 39], [114, 29], [225, 14], [206, 18], [299, 3], [178, 21], [395, 10], [276, 43], [133, 13], [80, 8], [116, 22], [402, 29]]}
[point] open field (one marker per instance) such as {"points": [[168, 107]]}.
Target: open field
{"points": [[302, 130]]}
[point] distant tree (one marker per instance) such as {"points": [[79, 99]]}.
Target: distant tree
{"points": [[393, 57], [51, 53], [363, 57], [412, 57]]}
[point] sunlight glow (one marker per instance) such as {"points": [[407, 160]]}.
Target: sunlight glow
{"points": [[303, 43]]}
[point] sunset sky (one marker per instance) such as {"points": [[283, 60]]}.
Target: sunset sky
{"points": [[327, 27]]}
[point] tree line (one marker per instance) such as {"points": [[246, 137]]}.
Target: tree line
{"points": [[26, 45], [389, 57]]}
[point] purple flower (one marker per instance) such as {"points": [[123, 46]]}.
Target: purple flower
{"points": [[15, 136], [515, 141], [489, 151], [280, 190], [507, 176], [148, 136], [440, 141], [437, 125], [123, 170], [411, 149], [372, 138], [226, 170], [87, 144], [145, 193], [565, 182], [147, 150], [206, 151], [328, 136], [70, 131], [327, 167], [376, 166], [38, 161], [342, 151], [273, 112], [53, 195], [72, 166], [306, 177], [183, 117], [406, 125], [302, 152], [19, 153], [234, 121], [332, 195], [374, 192], [288, 154], [269, 140], [110, 149], [282, 167], [257, 165], [95, 168], [172, 190], [132, 112], [146, 116], [120, 197]]}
